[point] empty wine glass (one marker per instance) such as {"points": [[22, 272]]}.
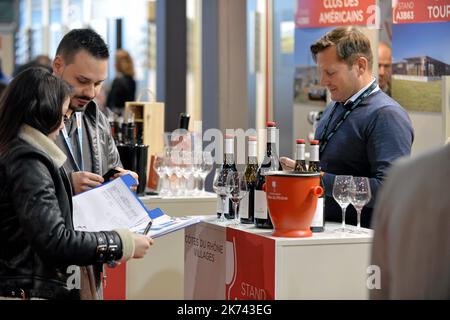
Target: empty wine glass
{"points": [[178, 170], [187, 170], [236, 190], [207, 163], [219, 186], [360, 195], [341, 193], [160, 166]]}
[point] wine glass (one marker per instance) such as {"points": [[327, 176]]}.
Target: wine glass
{"points": [[219, 186], [341, 193], [187, 171], [236, 190], [160, 166], [206, 166], [360, 195], [178, 170]]}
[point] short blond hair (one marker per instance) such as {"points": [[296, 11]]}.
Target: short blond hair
{"points": [[350, 43]]}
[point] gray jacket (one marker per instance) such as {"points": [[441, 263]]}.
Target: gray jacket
{"points": [[104, 156], [104, 151]]}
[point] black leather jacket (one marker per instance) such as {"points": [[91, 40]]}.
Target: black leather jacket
{"points": [[37, 240]]}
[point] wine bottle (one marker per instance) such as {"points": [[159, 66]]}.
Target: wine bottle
{"points": [[318, 222], [183, 121], [247, 205], [300, 163], [131, 130], [271, 162], [228, 165]]}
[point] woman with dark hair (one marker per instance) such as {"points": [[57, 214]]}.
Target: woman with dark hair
{"points": [[39, 249]]}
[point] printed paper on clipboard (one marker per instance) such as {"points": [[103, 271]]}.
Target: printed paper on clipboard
{"points": [[164, 224], [114, 206]]}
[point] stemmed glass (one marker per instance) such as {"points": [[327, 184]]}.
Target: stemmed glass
{"points": [[178, 169], [160, 166], [219, 186], [360, 195], [205, 167], [341, 193], [187, 170], [236, 190]]}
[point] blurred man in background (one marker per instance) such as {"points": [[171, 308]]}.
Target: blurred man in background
{"points": [[384, 67], [411, 243]]}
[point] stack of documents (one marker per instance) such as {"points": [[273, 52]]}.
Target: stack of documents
{"points": [[113, 206], [164, 224]]}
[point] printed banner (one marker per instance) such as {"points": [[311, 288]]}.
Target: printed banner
{"points": [[250, 267], [410, 11], [204, 262], [330, 13]]}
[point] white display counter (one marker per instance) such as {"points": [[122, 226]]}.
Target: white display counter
{"points": [[160, 274], [248, 263]]}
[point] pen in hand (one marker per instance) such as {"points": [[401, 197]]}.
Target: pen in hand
{"points": [[147, 228]]}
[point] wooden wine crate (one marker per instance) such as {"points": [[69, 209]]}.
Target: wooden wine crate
{"points": [[149, 115]]}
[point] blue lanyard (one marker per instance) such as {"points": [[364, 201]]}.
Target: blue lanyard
{"points": [[325, 138], [80, 141]]}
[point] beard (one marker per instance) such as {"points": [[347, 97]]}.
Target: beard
{"points": [[77, 106]]}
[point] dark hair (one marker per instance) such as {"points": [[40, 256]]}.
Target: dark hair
{"points": [[34, 97], [2, 87], [82, 39], [350, 43]]}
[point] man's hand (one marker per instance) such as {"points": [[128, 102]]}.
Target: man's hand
{"points": [[124, 172], [83, 181], [287, 163]]}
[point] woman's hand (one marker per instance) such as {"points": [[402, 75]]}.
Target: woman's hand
{"points": [[141, 245]]}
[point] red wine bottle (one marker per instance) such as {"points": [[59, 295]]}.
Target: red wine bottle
{"points": [[247, 205], [318, 222], [300, 163], [271, 162], [228, 165]]}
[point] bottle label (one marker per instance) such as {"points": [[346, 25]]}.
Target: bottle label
{"points": [[318, 215], [252, 148], [243, 207], [314, 153], [272, 135], [220, 205], [300, 152], [260, 205], [229, 146]]}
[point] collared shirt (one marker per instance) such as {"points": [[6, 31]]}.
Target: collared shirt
{"points": [[356, 95], [72, 132]]}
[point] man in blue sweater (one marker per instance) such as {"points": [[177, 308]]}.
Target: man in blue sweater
{"points": [[362, 131]]}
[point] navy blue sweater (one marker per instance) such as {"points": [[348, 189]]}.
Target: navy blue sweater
{"points": [[374, 135]]}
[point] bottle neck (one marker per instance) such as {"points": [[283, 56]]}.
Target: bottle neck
{"points": [[271, 135], [229, 152], [229, 159], [314, 153], [271, 140], [131, 133], [300, 152], [252, 152], [252, 160]]}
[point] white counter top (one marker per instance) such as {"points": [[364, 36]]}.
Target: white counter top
{"points": [[328, 236]]}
